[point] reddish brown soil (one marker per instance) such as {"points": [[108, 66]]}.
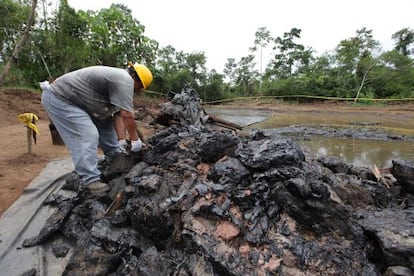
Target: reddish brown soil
{"points": [[18, 168]]}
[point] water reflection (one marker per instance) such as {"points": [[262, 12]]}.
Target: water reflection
{"points": [[359, 152]]}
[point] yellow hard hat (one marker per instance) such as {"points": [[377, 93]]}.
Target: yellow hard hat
{"points": [[143, 73]]}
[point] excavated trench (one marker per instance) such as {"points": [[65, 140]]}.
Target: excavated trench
{"points": [[202, 200]]}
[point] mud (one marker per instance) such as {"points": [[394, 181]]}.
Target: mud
{"points": [[357, 133], [207, 201]]}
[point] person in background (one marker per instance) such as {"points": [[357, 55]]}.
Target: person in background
{"points": [[82, 105]]}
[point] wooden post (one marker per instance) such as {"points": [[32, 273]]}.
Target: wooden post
{"points": [[29, 140], [29, 119]]}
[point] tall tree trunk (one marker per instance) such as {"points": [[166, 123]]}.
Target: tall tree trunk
{"points": [[364, 78], [15, 56], [360, 86]]}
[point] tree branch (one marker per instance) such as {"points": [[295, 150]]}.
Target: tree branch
{"points": [[15, 56]]}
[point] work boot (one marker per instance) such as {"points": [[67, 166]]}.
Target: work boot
{"points": [[97, 188]]}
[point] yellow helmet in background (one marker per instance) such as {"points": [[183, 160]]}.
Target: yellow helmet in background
{"points": [[143, 73]]}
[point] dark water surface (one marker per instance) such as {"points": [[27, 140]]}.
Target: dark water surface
{"points": [[359, 152]]}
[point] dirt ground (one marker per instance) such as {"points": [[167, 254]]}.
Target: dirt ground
{"points": [[18, 168]]}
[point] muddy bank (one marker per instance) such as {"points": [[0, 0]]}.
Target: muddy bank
{"points": [[203, 200], [354, 132]]}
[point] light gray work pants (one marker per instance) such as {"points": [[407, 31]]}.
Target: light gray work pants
{"points": [[81, 134]]}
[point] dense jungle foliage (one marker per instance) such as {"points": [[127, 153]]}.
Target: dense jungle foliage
{"points": [[62, 40]]}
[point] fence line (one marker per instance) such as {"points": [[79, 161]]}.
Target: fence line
{"points": [[308, 97]]}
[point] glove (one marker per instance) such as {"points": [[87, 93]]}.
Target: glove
{"points": [[136, 146], [123, 144]]}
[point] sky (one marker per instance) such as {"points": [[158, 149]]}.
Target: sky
{"points": [[223, 29]]}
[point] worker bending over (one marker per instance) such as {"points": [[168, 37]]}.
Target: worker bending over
{"points": [[81, 104]]}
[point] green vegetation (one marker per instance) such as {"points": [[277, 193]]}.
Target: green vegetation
{"points": [[65, 40]]}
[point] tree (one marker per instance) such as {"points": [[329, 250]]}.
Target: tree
{"points": [[262, 39], [115, 37], [290, 58], [176, 69], [403, 39], [166, 59], [366, 59], [58, 45], [213, 88], [67, 49], [355, 60], [12, 20], [230, 70], [365, 65], [245, 74], [320, 76], [196, 65], [23, 39], [394, 76]]}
